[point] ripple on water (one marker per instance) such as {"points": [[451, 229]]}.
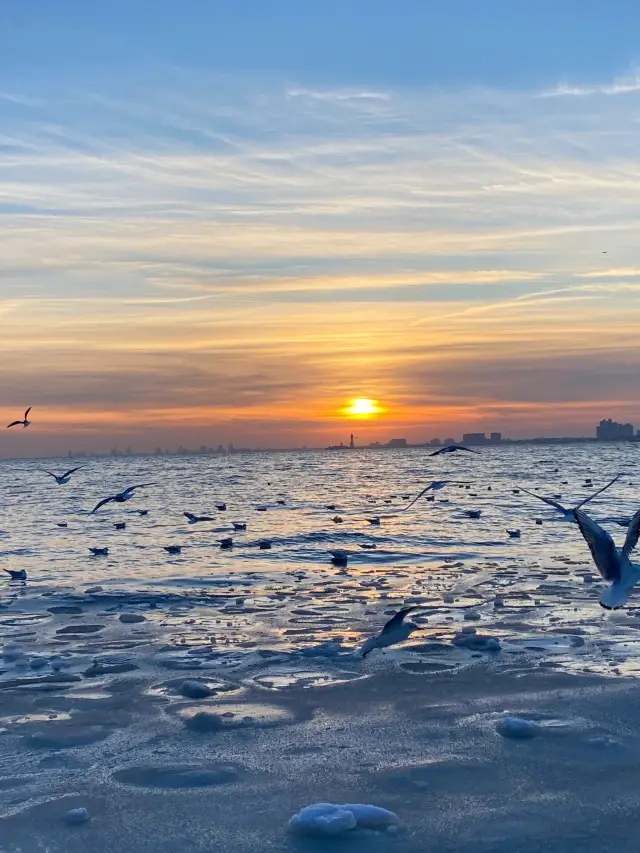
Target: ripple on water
{"points": [[177, 776]]}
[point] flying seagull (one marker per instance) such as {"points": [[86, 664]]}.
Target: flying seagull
{"points": [[62, 479], [25, 423], [121, 497], [451, 448], [194, 519], [435, 486], [614, 565], [395, 631], [568, 514]]}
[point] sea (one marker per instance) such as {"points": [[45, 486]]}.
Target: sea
{"points": [[216, 698], [536, 594]]}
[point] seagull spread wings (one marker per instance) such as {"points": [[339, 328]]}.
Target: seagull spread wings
{"points": [[602, 546], [396, 620], [558, 506], [633, 532], [101, 503]]}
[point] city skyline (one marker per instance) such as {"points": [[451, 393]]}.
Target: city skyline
{"points": [[209, 234]]}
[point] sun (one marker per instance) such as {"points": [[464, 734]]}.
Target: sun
{"points": [[362, 407]]}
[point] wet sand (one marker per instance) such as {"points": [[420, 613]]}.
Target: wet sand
{"points": [[427, 747]]}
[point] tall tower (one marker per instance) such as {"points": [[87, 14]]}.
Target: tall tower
{"points": [[351, 443]]}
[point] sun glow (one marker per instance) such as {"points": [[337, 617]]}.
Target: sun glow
{"points": [[362, 407]]}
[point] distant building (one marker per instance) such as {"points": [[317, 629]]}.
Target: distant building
{"points": [[496, 437], [397, 442], [608, 430], [435, 442], [474, 438], [449, 441]]}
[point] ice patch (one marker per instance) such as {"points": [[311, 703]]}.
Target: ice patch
{"points": [[330, 819]]}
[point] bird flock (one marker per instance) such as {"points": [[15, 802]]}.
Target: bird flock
{"points": [[614, 564]]}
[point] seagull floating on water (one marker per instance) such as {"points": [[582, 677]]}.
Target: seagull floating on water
{"points": [[120, 525], [239, 525], [568, 514], [121, 497], [19, 575], [614, 565], [194, 519], [395, 631], [24, 423], [99, 552], [173, 549], [514, 534], [62, 479], [451, 448]]}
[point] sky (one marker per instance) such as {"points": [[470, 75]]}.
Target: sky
{"points": [[221, 222]]}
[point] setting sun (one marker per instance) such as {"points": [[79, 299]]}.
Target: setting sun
{"points": [[363, 408]]}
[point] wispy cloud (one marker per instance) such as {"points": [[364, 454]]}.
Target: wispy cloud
{"points": [[239, 251]]}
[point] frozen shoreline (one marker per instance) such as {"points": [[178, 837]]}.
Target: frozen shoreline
{"points": [[424, 746]]}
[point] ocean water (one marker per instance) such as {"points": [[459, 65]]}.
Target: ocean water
{"points": [[198, 702], [291, 598]]}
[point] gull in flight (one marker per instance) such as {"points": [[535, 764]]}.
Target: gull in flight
{"points": [[121, 497], [62, 479], [614, 565], [568, 514], [25, 423], [194, 519], [435, 486], [451, 448], [395, 631]]}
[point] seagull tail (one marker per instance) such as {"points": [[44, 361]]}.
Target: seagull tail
{"points": [[614, 597]]}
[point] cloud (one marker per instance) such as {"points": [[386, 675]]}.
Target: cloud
{"points": [[206, 250], [619, 86]]}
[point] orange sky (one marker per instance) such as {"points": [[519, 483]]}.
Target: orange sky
{"points": [[472, 269]]}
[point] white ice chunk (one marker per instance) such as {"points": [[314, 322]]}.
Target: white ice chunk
{"points": [[331, 819]]}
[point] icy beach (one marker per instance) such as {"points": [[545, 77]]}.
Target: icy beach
{"points": [[200, 700]]}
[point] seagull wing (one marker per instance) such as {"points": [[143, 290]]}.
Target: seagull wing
{"points": [[548, 501], [26, 414], [133, 488], [632, 535], [72, 471], [42, 471], [601, 545], [595, 494], [423, 492], [396, 620], [102, 503], [189, 515], [15, 423]]}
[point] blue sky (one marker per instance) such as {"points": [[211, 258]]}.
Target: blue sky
{"points": [[506, 43], [224, 221]]}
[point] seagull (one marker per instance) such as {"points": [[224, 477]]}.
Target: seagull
{"points": [[395, 631], [374, 521], [451, 448], [435, 486], [473, 513], [613, 564], [194, 519], [226, 543], [339, 557], [121, 497], [99, 552], [239, 525], [568, 514], [19, 575], [120, 525], [25, 423], [264, 545], [514, 534], [173, 549], [62, 479]]}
